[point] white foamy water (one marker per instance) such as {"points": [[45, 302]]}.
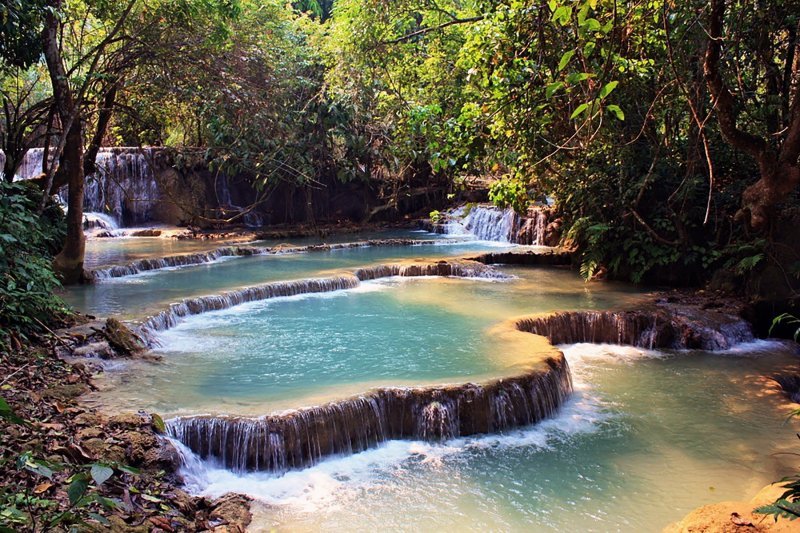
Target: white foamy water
{"points": [[340, 477]]}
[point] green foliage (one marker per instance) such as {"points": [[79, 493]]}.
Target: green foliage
{"points": [[29, 506], [510, 192], [7, 414], [788, 504], [789, 320], [436, 216], [20, 32], [26, 278]]}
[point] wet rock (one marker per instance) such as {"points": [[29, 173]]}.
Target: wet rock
{"points": [[183, 501], [122, 339], [231, 513], [138, 444], [95, 349], [88, 419], [89, 433], [146, 233], [128, 420], [557, 258], [790, 385], [99, 449], [65, 392]]}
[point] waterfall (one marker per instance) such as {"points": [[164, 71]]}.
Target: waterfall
{"points": [[123, 187], [172, 261], [296, 439], [490, 223], [195, 306], [460, 269], [99, 221], [170, 317], [31, 165], [644, 329]]}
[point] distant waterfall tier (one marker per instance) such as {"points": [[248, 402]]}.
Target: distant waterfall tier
{"points": [[493, 224], [145, 265], [645, 329], [301, 438], [124, 185], [170, 317]]}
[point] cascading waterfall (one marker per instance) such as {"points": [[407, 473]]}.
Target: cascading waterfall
{"points": [[644, 329], [156, 263], [31, 165], [99, 221], [297, 439], [493, 224], [123, 187], [225, 201], [195, 306], [170, 317]]}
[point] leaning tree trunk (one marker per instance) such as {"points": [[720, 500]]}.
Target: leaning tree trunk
{"points": [[69, 262]]}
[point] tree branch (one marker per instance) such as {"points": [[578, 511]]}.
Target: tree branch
{"points": [[425, 31]]}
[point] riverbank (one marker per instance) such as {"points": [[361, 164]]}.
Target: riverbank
{"points": [[736, 516], [62, 463]]}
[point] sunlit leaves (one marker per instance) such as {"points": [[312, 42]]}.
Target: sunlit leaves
{"points": [[617, 111], [565, 59]]}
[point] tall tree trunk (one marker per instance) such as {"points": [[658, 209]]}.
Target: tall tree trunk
{"points": [[69, 262]]}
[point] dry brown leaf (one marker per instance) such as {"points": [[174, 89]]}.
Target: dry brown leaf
{"points": [[42, 487]]}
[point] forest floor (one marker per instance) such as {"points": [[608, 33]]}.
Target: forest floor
{"points": [[63, 464]]}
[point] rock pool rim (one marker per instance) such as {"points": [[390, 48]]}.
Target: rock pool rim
{"points": [[199, 258], [170, 317], [301, 438]]}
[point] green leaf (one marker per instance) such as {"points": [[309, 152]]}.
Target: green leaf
{"points": [[551, 89], [101, 473], [617, 111], [608, 88], [6, 413], [129, 470], [591, 25], [77, 488], [100, 518], [562, 15], [565, 59], [579, 110], [158, 423]]}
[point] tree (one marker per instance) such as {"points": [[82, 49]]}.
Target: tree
{"points": [[761, 46]]}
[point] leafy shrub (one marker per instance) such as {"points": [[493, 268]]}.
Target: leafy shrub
{"points": [[28, 242], [509, 192]]}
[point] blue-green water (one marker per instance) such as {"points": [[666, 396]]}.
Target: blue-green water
{"points": [[121, 250], [646, 437], [145, 294]]}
